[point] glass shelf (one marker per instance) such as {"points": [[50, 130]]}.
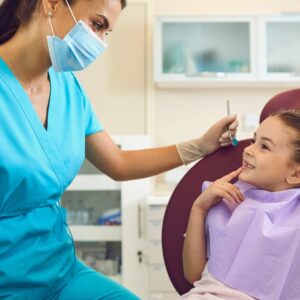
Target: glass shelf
{"points": [[93, 182], [88, 233], [92, 207], [104, 257]]}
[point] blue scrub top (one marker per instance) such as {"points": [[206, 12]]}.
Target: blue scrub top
{"points": [[36, 167]]}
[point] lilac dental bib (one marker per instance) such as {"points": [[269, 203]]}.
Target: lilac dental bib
{"points": [[254, 247]]}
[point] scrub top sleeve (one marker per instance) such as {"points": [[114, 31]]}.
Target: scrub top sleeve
{"points": [[92, 124]]}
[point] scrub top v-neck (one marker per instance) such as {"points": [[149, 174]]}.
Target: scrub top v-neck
{"points": [[36, 167]]}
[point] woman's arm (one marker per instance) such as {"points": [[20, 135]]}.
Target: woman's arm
{"points": [[120, 165], [194, 248]]}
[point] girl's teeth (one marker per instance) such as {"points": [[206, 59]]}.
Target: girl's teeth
{"points": [[248, 166]]}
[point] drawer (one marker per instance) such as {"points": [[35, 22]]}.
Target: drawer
{"points": [[154, 228], [156, 212], [159, 280], [155, 252], [164, 296]]}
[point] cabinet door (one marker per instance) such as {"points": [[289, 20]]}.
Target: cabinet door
{"points": [[189, 49], [280, 46], [116, 81], [94, 216]]}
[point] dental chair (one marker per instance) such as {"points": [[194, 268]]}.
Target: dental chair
{"points": [[209, 168]]}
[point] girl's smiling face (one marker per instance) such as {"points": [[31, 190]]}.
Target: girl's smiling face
{"points": [[267, 162]]}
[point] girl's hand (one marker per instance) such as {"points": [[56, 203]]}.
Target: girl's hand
{"points": [[218, 190]]}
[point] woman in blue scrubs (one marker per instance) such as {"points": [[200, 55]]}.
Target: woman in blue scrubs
{"points": [[47, 128]]}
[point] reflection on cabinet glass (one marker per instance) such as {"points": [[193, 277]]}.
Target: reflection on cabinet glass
{"points": [[104, 257], [92, 207], [283, 47], [195, 48]]}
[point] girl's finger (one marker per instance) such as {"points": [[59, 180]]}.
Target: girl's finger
{"points": [[231, 175]]}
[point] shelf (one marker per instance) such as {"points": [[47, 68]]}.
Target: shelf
{"points": [[158, 200], [228, 84], [93, 233], [94, 183]]}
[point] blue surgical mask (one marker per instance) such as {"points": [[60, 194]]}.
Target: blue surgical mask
{"points": [[79, 48]]}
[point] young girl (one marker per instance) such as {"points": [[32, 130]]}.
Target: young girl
{"points": [[250, 230]]}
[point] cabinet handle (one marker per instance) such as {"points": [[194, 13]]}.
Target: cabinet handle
{"points": [[140, 231], [207, 74]]}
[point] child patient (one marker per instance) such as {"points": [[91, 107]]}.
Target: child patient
{"points": [[248, 232]]}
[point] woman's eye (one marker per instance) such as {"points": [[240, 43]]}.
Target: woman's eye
{"points": [[264, 146], [98, 26]]}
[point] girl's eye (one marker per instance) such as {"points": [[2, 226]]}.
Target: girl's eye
{"points": [[264, 146]]}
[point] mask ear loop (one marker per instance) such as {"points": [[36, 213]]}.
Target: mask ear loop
{"points": [[49, 18], [71, 11]]}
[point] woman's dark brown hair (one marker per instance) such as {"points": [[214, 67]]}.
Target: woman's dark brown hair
{"points": [[291, 118], [13, 13]]}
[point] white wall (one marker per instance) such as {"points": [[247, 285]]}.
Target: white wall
{"points": [[169, 115], [220, 7], [185, 113], [116, 82]]}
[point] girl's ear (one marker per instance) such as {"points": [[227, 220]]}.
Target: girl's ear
{"points": [[295, 177]]}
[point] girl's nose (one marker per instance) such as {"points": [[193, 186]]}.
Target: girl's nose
{"points": [[249, 151]]}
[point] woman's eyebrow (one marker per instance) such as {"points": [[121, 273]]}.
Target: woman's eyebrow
{"points": [[106, 23]]}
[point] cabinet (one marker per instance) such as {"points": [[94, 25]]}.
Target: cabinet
{"points": [[226, 51], [160, 286], [103, 217], [280, 47]]}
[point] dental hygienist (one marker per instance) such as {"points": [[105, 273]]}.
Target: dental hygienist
{"points": [[47, 128]]}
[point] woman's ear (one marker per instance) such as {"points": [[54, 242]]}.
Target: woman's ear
{"points": [[295, 177], [50, 7]]}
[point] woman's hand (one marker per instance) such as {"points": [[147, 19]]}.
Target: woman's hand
{"points": [[218, 190], [215, 137], [218, 134]]}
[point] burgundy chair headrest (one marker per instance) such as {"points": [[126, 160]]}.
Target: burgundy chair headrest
{"points": [[283, 101]]}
